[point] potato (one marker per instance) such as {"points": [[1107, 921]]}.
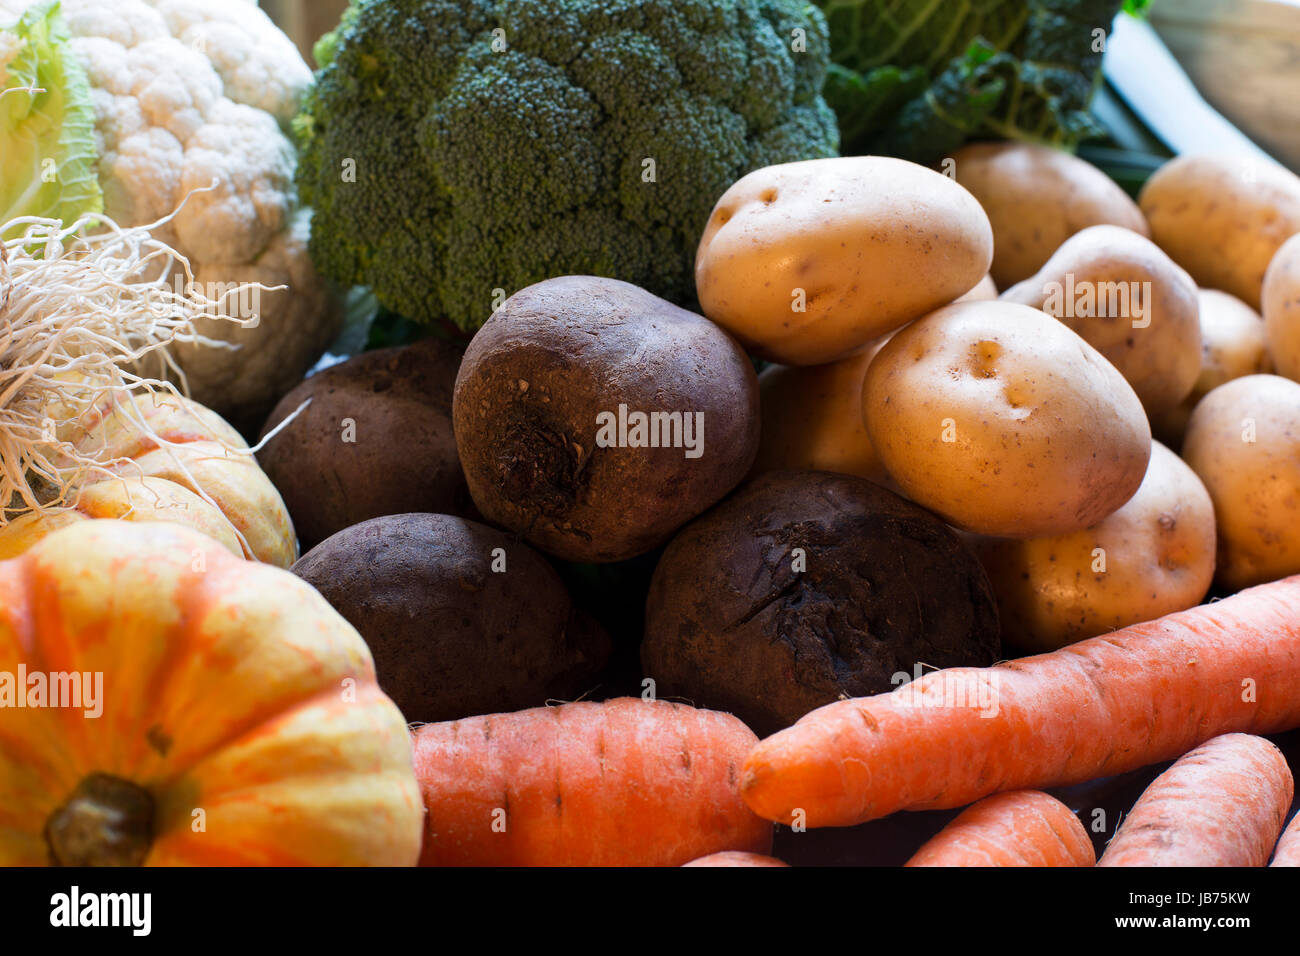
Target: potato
{"points": [[1153, 556], [985, 290], [1281, 304], [806, 262], [1232, 345], [595, 419], [811, 418], [1222, 218], [1036, 198], [1005, 422], [375, 440], [461, 619], [804, 586], [1130, 302], [1243, 441]]}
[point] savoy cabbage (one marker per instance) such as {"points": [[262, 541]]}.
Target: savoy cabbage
{"points": [[916, 78]]}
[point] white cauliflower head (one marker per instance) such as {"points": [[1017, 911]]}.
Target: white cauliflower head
{"points": [[197, 95]]}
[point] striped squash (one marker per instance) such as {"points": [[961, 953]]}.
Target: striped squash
{"points": [[194, 480], [239, 720]]}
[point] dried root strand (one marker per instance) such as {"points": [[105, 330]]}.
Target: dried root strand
{"points": [[83, 311]]}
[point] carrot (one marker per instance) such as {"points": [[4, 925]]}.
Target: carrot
{"points": [[625, 782], [1140, 695], [1288, 847], [736, 858], [1018, 828], [1223, 804]]}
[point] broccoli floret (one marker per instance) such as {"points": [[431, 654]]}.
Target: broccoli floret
{"points": [[453, 148]]}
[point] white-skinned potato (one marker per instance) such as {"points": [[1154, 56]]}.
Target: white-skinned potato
{"points": [[811, 418], [985, 290], [1036, 198], [1222, 218], [1243, 441], [1153, 556], [1281, 305], [1232, 345], [806, 262], [1004, 422], [1130, 302]]}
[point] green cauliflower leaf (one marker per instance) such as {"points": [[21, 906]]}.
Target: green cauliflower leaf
{"points": [[47, 124]]}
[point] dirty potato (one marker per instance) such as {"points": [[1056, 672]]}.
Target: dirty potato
{"points": [[1130, 302], [1153, 556], [1233, 344], [1003, 421], [1222, 218], [1243, 441], [806, 262], [1036, 198]]}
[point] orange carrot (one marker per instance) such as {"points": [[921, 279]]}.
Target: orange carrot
{"points": [[1140, 695], [1288, 847], [736, 858], [1223, 804], [1018, 828], [625, 782]]}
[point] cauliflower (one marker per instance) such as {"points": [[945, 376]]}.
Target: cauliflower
{"points": [[191, 94]]}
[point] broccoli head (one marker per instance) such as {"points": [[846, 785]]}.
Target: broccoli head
{"points": [[456, 150]]}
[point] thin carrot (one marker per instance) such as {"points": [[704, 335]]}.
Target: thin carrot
{"points": [[736, 858], [1223, 804], [1140, 695], [1018, 828], [624, 782], [1288, 847]]}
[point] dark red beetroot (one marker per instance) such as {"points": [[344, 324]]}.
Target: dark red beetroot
{"points": [[461, 619], [376, 440], [806, 586], [542, 380]]}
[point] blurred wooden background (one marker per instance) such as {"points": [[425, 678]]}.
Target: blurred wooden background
{"points": [[305, 20], [1244, 57]]}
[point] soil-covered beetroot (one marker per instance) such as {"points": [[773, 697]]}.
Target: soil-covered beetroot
{"points": [[461, 618], [595, 418], [376, 440], [806, 586]]}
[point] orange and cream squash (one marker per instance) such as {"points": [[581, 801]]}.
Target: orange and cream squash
{"points": [[200, 475], [223, 713]]}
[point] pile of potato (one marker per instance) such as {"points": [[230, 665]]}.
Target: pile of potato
{"points": [[1027, 421], [926, 473]]}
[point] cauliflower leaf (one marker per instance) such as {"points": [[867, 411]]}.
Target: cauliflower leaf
{"points": [[47, 123]]}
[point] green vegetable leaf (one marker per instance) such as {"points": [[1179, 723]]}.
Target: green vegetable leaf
{"points": [[47, 123], [860, 102], [952, 110], [1008, 69]]}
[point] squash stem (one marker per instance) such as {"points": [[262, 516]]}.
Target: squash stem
{"points": [[107, 821]]}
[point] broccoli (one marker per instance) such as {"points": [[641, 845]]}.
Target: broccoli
{"points": [[456, 150]]}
